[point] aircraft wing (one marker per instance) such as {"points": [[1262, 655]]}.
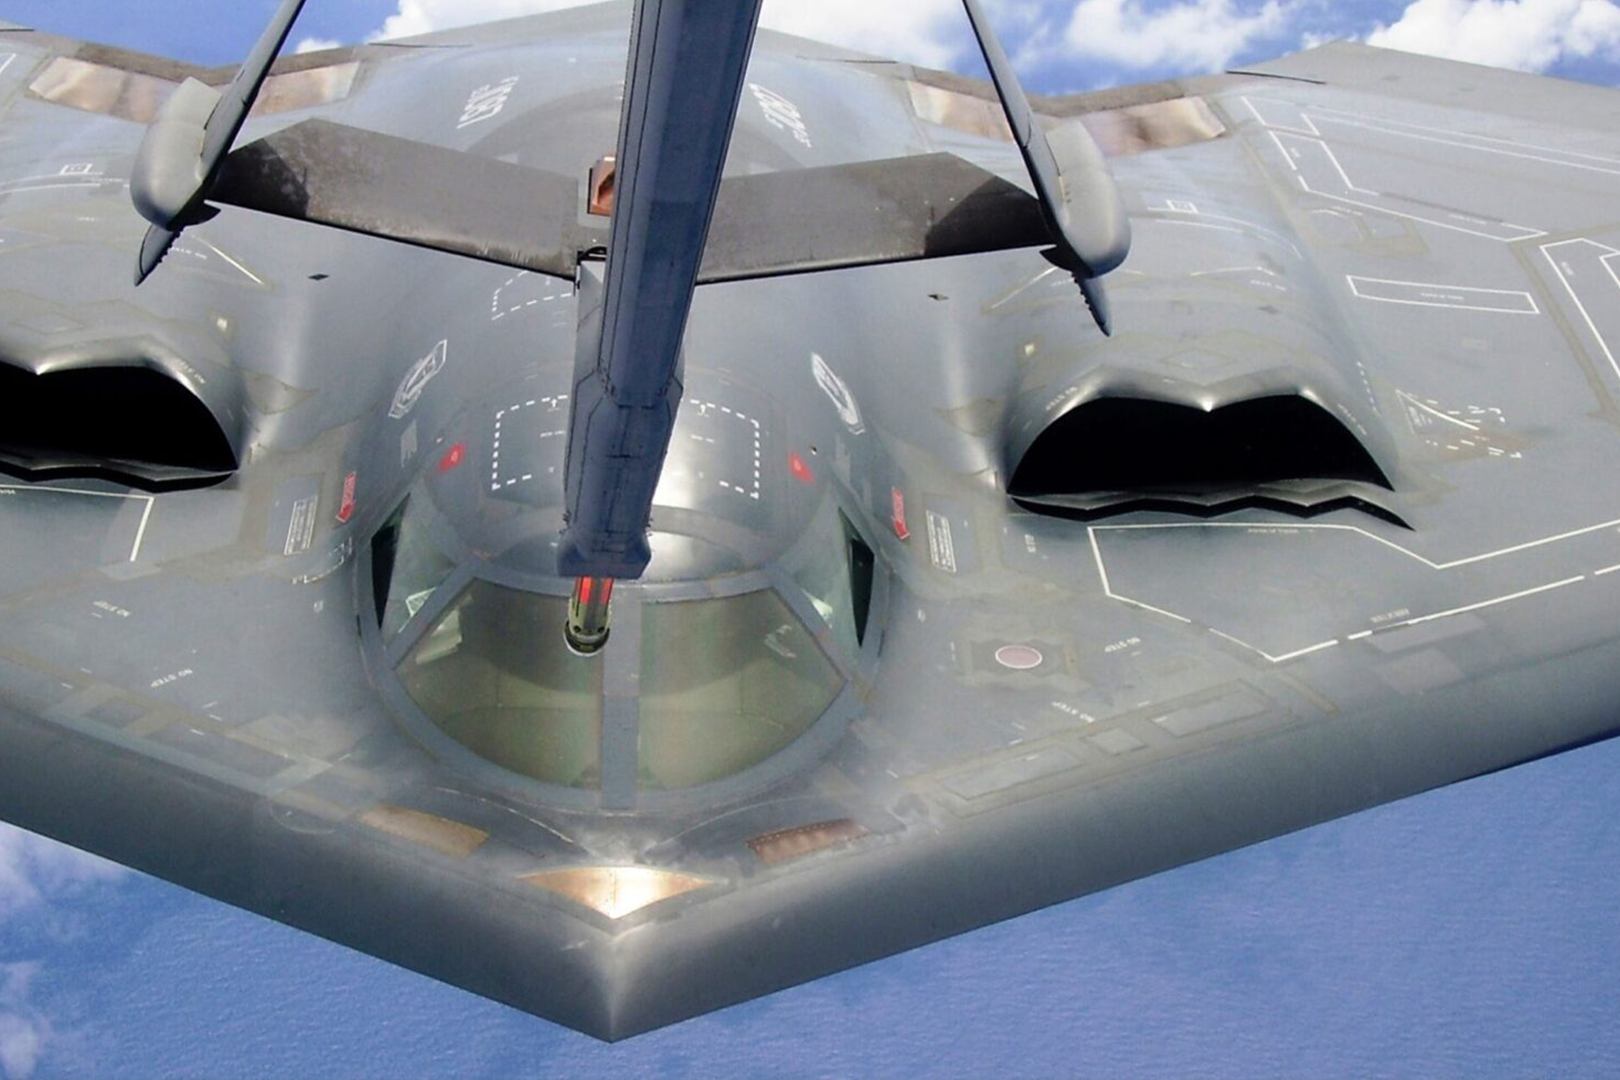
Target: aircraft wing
{"points": [[1031, 612]]}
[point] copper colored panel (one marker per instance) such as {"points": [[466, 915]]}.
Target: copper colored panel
{"points": [[1159, 125], [1129, 129], [137, 96], [602, 175], [960, 112], [79, 84], [616, 891], [785, 845], [305, 89], [441, 834]]}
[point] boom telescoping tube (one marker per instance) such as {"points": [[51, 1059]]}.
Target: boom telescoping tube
{"points": [[586, 628]]}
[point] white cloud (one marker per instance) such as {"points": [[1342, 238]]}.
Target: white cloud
{"points": [[33, 869], [1197, 35], [425, 16], [928, 32], [1530, 35], [315, 44], [23, 1031], [21, 1041], [917, 31]]}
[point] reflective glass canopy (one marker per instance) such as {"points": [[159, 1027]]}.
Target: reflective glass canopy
{"points": [[494, 675], [724, 685], [714, 685]]}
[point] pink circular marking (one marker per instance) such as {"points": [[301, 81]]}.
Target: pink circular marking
{"points": [[1019, 657]]}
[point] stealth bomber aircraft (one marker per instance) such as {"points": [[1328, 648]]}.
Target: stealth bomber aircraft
{"points": [[623, 512]]}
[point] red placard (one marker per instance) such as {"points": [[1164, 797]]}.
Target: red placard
{"points": [[346, 504], [898, 502]]}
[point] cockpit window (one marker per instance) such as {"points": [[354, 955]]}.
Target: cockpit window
{"points": [[407, 567], [819, 565], [713, 686], [833, 565], [493, 674], [725, 684]]}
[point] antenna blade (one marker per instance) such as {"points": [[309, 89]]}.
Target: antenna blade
{"points": [[1097, 300], [154, 245]]}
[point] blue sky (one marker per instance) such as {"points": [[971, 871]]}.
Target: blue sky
{"points": [[1061, 44], [1470, 931]]}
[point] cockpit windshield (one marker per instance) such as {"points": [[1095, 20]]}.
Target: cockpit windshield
{"points": [[832, 565], [494, 675], [704, 678], [406, 565], [719, 685], [725, 684]]}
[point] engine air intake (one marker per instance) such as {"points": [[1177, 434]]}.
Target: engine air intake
{"points": [[1134, 445], [131, 424]]}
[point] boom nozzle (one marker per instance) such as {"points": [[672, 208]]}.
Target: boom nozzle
{"points": [[586, 629]]}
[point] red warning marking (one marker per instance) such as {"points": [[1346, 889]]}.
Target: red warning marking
{"points": [[346, 504], [800, 469], [898, 501], [453, 457]]}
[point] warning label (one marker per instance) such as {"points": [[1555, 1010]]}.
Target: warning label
{"points": [[941, 545], [301, 529]]}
